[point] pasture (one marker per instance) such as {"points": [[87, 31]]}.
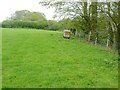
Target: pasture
{"points": [[44, 59], [0, 58]]}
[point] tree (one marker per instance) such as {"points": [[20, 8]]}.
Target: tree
{"points": [[94, 22], [113, 14], [26, 15], [118, 34], [70, 10], [99, 20], [26, 19]]}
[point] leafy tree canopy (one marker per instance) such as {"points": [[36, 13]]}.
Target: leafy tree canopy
{"points": [[26, 15]]}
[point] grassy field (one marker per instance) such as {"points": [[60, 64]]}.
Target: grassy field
{"points": [[0, 58], [42, 59]]}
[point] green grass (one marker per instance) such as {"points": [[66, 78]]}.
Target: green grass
{"points": [[42, 59], [0, 58]]}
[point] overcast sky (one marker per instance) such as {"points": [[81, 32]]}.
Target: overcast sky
{"points": [[8, 7]]}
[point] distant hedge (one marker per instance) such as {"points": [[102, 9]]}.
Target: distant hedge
{"points": [[24, 24], [53, 25]]}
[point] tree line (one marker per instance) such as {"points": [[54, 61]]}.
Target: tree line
{"points": [[96, 22], [27, 19]]}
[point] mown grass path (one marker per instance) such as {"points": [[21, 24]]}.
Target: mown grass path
{"points": [[37, 58]]}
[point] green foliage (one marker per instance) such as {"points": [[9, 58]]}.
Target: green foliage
{"points": [[53, 25], [26, 19], [26, 15], [44, 59], [66, 23], [24, 24], [0, 24], [89, 18]]}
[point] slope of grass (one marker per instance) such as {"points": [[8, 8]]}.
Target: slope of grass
{"points": [[37, 59], [0, 58]]}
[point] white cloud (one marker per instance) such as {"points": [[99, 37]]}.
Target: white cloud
{"points": [[8, 7]]}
